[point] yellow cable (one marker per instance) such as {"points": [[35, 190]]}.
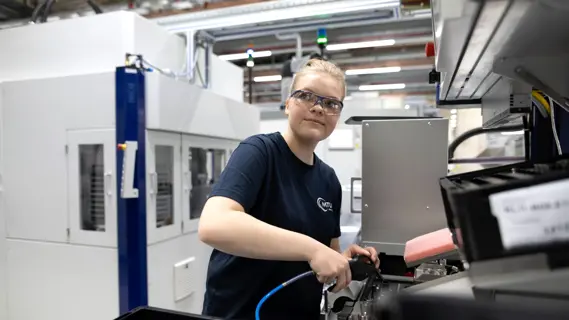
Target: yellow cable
{"points": [[539, 97]]}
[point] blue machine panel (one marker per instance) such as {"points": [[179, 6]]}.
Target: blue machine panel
{"points": [[131, 224]]}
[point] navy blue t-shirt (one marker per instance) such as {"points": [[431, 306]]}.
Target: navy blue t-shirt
{"points": [[276, 187]]}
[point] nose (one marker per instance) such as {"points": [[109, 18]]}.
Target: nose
{"points": [[317, 108]]}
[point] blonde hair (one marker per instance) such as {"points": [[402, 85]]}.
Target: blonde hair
{"points": [[321, 66]]}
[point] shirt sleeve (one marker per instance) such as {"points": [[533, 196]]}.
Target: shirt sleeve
{"points": [[244, 174], [338, 209]]}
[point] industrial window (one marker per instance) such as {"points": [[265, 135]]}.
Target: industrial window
{"points": [[206, 166], [92, 187], [164, 185]]}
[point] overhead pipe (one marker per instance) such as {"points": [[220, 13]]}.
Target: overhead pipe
{"points": [[190, 55], [290, 36]]}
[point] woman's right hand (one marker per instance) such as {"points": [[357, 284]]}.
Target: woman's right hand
{"points": [[328, 264]]}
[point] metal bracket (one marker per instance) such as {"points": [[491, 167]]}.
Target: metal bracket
{"points": [[128, 191]]}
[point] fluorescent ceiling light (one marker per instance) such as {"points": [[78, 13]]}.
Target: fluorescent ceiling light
{"points": [[267, 78], [452, 111], [241, 56], [354, 72], [374, 87], [267, 12], [358, 45]]}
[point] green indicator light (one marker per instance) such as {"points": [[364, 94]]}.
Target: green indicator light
{"points": [[322, 40]]}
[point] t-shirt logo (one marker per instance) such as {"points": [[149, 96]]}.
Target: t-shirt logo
{"points": [[324, 205]]}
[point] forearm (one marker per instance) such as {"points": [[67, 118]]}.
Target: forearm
{"points": [[241, 234]]}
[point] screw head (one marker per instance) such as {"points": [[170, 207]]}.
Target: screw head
{"points": [[365, 205]]}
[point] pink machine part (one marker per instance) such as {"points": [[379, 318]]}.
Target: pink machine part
{"points": [[429, 245]]}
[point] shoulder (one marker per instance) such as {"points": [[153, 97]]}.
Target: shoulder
{"points": [[329, 174], [263, 141]]}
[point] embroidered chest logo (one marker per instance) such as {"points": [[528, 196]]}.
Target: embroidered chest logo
{"points": [[324, 205]]}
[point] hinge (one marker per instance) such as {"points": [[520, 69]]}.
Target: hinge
{"points": [[182, 226], [68, 233], [66, 149]]}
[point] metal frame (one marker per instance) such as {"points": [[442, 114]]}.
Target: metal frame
{"points": [[131, 212]]}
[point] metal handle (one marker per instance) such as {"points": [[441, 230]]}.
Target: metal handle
{"points": [[352, 210], [153, 183], [188, 181], [108, 183]]}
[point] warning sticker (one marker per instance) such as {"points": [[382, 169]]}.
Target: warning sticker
{"points": [[533, 215]]}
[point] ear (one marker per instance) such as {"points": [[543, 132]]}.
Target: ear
{"points": [[286, 110]]}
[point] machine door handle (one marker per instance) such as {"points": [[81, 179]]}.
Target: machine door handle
{"points": [[188, 181], [352, 195], [108, 183], [153, 183]]}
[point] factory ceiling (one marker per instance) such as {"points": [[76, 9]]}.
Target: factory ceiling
{"points": [[401, 31]]}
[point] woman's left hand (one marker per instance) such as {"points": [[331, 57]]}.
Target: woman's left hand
{"points": [[370, 252]]}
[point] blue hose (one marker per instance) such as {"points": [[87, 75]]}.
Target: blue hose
{"points": [[268, 295]]}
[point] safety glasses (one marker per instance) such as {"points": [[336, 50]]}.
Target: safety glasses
{"points": [[309, 99]]}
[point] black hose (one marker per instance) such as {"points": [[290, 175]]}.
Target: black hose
{"points": [[95, 6], [48, 6], [37, 11], [476, 131]]}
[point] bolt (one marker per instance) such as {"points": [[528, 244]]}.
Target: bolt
{"points": [[367, 124], [429, 123], [427, 207], [365, 205]]}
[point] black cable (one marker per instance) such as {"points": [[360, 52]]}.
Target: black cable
{"points": [[37, 11], [476, 131], [95, 6], [47, 10]]}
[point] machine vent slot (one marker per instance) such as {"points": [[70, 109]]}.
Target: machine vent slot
{"points": [[97, 205], [92, 187], [164, 198]]}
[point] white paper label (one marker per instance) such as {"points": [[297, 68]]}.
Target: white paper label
{"points": [[532, 215]]}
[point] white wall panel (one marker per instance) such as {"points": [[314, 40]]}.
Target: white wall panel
{"points": [[61, 281]]}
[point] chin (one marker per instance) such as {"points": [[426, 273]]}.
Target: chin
{"points": [[313, 135]]}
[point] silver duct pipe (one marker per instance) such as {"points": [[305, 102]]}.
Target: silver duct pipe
{"points": [[190, 54], [298, 41]]}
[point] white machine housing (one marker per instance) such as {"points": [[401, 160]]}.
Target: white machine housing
{"points": [[57, 111]]}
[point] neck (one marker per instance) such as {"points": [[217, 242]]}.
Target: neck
{"points": [[301, 149]]}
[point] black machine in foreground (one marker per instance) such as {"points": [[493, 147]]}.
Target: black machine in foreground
{"points": [[402, 307], [396, 307]]}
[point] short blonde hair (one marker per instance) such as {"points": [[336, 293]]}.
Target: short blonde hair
{"points": [[321, 66]]}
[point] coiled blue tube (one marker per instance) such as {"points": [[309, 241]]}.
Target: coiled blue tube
{"points": [[268, 295]]}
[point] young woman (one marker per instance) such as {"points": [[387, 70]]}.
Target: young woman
{"points": [[275, 212]]}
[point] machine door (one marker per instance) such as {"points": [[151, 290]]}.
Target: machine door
{"points": [[91, 189], [163, 185], [203, 160]]}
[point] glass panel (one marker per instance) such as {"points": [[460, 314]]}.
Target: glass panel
{"points": [[218, 163], [92, 187], [164, 185], [206, 166]]}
